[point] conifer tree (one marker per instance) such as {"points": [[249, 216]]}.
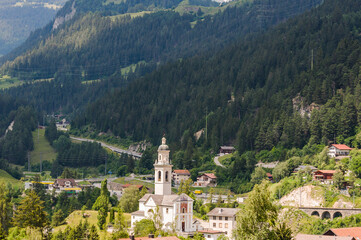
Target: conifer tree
{"points": [[5, 212], [103, 200], [31, 212]]}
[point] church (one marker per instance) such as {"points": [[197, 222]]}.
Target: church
{"points": [[176, 211]]}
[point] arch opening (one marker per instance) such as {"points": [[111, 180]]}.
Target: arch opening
{"points": [[337, 214], [315, 213], [326, 215], [166, 176]]}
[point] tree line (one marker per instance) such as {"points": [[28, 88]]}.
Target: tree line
{"points": [[245, 92], [99, 46]]}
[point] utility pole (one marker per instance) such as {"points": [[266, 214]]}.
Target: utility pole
{"points": [[206, 124], [29, 165], [38, 131], [41, 162], [312, 59], [105, 169]]}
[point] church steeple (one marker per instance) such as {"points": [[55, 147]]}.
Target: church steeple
{"points": [[163, 170]]}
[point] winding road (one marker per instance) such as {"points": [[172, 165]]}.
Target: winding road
{"points": [[216, 161], [114, 149]]}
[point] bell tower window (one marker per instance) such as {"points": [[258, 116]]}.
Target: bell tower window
{"points": [[159, 176], [166, 176]]}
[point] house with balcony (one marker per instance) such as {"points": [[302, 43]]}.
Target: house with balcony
{"points": [[206, 180], [339, 151]]}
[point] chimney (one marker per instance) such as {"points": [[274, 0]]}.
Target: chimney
{"points": [[131, 237], [151, 235], [220, 210]]}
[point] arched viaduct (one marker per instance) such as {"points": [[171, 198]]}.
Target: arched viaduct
{"points": [[330, 213]]}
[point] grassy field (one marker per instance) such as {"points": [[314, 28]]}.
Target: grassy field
{"points": [[6, 178], [8, 82], [122, 180], [75, 217], [42, 149]]}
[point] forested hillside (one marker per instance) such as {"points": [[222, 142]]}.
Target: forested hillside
{"points": [[247, 89], [93, 45], [18, 18]]}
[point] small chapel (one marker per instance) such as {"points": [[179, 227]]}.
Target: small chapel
{"points": [[176, 211]]}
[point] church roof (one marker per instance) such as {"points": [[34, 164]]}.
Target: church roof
{"points": [[227, 212], [165, 200]]}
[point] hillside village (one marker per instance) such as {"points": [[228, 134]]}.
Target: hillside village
{"points": [[171, 199], [182, 120]]}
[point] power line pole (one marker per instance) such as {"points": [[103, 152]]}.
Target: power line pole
{"points": [[29, 165], [312, 59], [105, 169], [41, 162], [206, 124]]}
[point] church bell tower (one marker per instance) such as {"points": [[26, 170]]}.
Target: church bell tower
{"points": [[163, 171]]}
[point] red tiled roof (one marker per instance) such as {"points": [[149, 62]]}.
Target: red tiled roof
{"points": [[326, 171], [320, 237], [348, 232], [148, 238], [181, 172], [341, 146], [269, 175], [210, 175]]}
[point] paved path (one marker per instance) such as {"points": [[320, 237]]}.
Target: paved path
{"points": [[216, 161], [114, 149]]}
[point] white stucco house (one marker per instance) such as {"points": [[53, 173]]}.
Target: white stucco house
{"points": [[223, 220], [338, 150], [176, 211]]}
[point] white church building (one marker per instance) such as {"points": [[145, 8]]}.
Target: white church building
{"points": [[176, 211]]}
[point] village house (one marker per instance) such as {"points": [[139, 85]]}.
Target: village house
{"points": [[354, 232], [339, 151], [305, 168], [223, 220], [180, 175], [117, 189], [68, 185], [226, 150], [270, 177], [324, 175], [321, 237], [206, 180], [48, 185]]}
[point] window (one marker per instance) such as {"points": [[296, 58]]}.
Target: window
{"points": [[214, 225], [166, 210], [208, 236], [183, 210], [220, 218], [220, 225], [166, 176], [159, 175], [226, 225], [214, 218], [226, 218]]}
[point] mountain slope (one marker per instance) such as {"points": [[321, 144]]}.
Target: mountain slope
{"points": [[94, 45], [247, 89], [18, 18]]}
